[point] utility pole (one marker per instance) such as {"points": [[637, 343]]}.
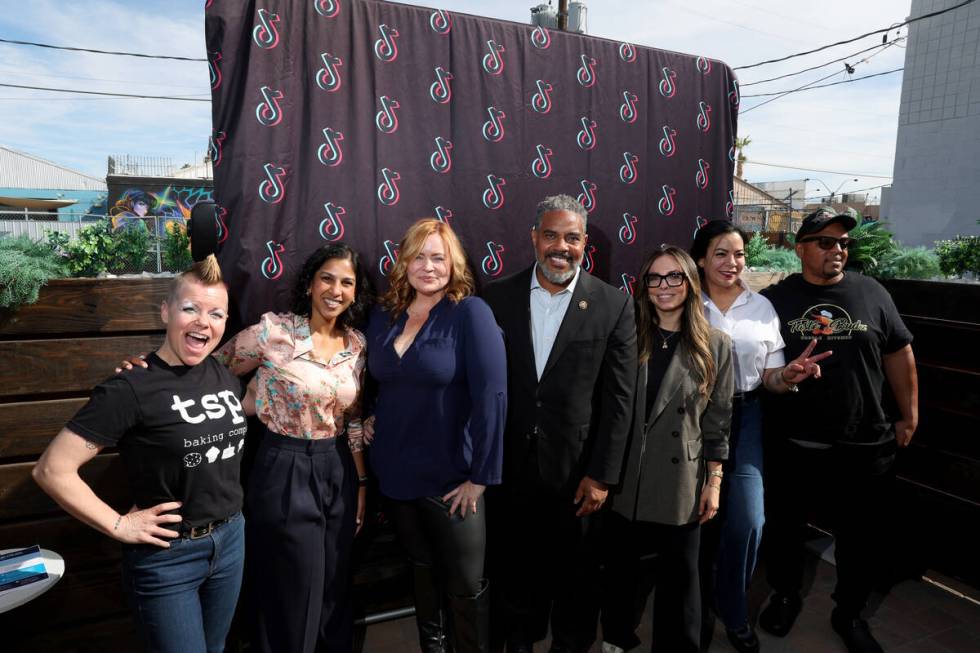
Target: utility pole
{"points": [[563, 15]]}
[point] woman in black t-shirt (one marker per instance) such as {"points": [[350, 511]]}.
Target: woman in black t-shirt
{"points": [[179, 427]]}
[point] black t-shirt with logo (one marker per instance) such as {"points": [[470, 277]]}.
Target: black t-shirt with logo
{"points": [[180, 431], [856, 319]]}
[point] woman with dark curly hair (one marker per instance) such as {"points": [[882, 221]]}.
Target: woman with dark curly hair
{"points": [[305, 499]]}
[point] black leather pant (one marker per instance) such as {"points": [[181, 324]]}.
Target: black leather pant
{"points": [[447, 554]]}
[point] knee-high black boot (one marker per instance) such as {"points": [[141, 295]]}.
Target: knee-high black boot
{"points": [[471, 622], [429, 613]]}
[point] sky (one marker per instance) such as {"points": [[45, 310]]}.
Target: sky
{"points": [[842, 133]]}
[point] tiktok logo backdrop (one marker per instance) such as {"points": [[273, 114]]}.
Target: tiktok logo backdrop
{"points": [[349, 119]]}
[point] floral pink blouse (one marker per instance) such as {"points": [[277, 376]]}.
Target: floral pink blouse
{"points": [[297, 394]]}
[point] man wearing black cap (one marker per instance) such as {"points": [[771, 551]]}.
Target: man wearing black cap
{"points": [[831, 446]]}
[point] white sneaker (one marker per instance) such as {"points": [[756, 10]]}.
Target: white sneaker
{"points": [[611, 648]]}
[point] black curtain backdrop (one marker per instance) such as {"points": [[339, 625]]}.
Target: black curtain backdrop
{"points": [[349, 119]]}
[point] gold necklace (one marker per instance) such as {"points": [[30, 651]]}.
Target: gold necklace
{"points": [[665, 338]]}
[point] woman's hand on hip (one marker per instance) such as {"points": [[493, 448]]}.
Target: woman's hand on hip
{"points": [[368, 429], [464, 497], [146, 526]]}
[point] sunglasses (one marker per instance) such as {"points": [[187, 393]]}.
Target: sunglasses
{"points": [[654, 280], [827, 242]]}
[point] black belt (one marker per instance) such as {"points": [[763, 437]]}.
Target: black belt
{"points": [[197, 532], [744, 397]]}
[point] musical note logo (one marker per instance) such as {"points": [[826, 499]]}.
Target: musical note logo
{"points": [[628, 283], [541, 101], [627, 110], [627, 52], [385, 48], [328, 77], [627, 233], [587, 197], [443, 214], [493, 195], [704, 116], [493, 263], [440, 22], [272, 189], [441, 160], [667, 86], [266, 34], [268, 112], [327, 8], [540, 38], [214, 69], [441, 91], [541, 165], [386, 120], [493, 64], [667, 145], [586, 138], [704, 65], [389, 258], [666, 203], [388, 193], [586, 72], [272, 264], [701, 178], [493, 129], [332, 227], [330, 153], [627, 171], [216, 147]]}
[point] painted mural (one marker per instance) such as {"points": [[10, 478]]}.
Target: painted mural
{"points": [[154, 204]]}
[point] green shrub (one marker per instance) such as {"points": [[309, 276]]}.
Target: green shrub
{"points": [[959, 255], [132, 248], [177, 249], [909, 263], [25, 266], [873, 244], [759, 254]]}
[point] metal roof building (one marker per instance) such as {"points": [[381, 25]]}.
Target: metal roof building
{"points": [[28, 172]]}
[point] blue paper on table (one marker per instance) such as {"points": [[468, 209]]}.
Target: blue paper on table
{"points": [[21, 567]]}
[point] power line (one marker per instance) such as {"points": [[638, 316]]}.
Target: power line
{"points": [[856, 38], [122, 54], [129, 95], [829, 172], [794, 90], [808, 87], [823, 65]]}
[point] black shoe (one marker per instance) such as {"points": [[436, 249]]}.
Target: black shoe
{"points": [[780, 615], [855, 633], [744, 639]]}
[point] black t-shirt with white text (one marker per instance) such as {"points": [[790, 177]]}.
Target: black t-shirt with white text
{"points": [[180, 431], [857, 319]]}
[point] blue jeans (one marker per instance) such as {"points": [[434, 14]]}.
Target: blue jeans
{"points": [[743, 515], [184, 597]]}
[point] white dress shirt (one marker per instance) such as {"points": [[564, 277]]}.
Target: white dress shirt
{"points": [[752, 324], [547, 313]]}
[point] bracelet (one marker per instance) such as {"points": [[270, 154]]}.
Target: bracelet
{"points": [[362, 481], [716, 472], [715, 487], [118, 519]]}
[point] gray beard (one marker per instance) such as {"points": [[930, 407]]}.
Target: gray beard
{"points": [[559, 278]]}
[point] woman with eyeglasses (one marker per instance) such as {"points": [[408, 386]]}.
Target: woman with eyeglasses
{"points": [[673, 467], [757, 346]]}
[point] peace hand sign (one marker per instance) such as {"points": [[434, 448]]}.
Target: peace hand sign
{"points": [[804, 366]]}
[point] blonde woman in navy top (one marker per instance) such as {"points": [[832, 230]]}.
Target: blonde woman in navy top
{"points": [[438, 359]]}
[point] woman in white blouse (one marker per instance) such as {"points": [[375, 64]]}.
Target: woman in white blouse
{"points": [[751, 322]]}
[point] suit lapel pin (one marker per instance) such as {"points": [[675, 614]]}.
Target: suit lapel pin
{"points": [[583, 304]]}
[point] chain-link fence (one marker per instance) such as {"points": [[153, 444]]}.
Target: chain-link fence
{"points": [[138, 246]]}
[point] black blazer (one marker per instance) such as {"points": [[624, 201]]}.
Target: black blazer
{"points": [[579, 413]]}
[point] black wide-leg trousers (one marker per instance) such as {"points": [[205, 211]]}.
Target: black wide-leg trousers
{"points": [[300, 508]]}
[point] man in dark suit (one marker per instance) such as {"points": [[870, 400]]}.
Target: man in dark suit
{"points": [[571, 358]]}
